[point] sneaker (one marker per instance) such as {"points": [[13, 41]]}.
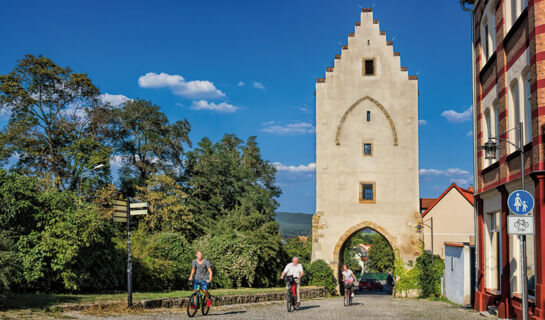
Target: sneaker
{"points": [[298, 304], [208, 303], [352, 295]]}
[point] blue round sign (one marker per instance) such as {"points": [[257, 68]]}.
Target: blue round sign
{"points": [[520, 202]]}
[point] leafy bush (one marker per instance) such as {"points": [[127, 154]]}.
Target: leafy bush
{"points": [[296, 247], [10, 272], [429, 277], [321, 274], [70, 248], [162, 261]]}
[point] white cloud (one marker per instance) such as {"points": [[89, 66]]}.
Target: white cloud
{"points": [[219, 107], [456, 117], [114, 99], [460, 176], [311, 167], [258, 85], [469, 133], [422, 122], [290, 128], [240, 84], [179, 86]]}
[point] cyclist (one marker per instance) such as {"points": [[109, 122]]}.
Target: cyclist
{"points": [[349, 279], [202, 270], [294, 269]]}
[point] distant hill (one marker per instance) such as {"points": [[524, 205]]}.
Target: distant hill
{"points": [[294, 224]]}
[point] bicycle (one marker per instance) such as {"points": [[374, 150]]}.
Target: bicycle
{"points": [[291, 294], [347, 293], [197, 301]]}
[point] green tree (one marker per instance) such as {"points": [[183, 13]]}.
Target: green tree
{"points": [[51, 127], [10, 272], [429, 278], [146, 143], [168, 209], [70, 249], [221, 176], [381, 255], [297, 247]]}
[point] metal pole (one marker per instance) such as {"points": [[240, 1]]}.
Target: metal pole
{"points": [[129, 261], [522, 238]]}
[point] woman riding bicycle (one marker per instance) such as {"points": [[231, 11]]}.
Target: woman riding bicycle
{"points": [[349, 279], [202, 270]]}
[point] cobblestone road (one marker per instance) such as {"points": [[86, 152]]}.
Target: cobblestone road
{"points": [[366, 306]]}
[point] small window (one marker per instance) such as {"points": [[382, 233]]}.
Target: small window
{"points": [[368, 116], [367, 149], [369, 67], [367, 192]]}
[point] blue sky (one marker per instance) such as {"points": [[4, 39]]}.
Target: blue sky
{"points": [[249, 68]]}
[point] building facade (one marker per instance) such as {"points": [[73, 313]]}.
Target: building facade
{"points": [[452, 218], [366, 147], [509, 88]]}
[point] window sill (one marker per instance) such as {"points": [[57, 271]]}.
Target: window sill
{"points": [[368, 201]]}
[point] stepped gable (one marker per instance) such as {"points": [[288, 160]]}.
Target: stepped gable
{"points": [[366, 17]]}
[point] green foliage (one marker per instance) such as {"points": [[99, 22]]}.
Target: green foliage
{"points": [[147, 143], [52, 127], [406, 279], [70, 249], [10, 273], [162, 261], [381, 255], [168, 209], [430, 274], [18, 196], [296, 247], [321, 274]]}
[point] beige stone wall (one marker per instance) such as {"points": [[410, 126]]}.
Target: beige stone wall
{"points": [[453, 221], [342, 101]]}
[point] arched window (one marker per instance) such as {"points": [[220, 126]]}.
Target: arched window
{"points": [[514, 113], [493, 26], [527, 109], [487, 134]]}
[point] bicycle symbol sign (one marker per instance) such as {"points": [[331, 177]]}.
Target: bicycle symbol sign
{"points": [[520, 225], [520, 202]]}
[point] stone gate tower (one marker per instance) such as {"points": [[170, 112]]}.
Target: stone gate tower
{"points": [[366, 147]]}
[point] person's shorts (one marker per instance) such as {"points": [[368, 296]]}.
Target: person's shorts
{"points": [[203, 283], [348, 284]]}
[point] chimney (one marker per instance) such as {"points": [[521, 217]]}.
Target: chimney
{"points": [[470, 188]]}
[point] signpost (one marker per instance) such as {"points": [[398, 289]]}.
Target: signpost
{"points": [[123, 210], [521, 203]]}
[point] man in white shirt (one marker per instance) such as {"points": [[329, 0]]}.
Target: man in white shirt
{"points": [[294, 269]]}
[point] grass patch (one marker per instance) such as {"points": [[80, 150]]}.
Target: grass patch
{"points": [[442, 299], [49, 301]]}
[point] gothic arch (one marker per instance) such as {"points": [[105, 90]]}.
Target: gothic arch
{"points": [[356, 228], [353, 106]]}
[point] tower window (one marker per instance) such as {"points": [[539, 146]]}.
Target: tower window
{"points": [[367, 192], [368, 116], [369, 67], [367, 149]]}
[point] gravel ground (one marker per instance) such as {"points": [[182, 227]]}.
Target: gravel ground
{"points": [[366, 306]]}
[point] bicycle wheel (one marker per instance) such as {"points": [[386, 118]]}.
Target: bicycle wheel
{"points": [[205, 308], [193, 305], [289, 302]]}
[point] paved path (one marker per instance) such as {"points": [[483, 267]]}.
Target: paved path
{"points": [[366, 306]]}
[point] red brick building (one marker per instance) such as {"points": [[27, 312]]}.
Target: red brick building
{"points": [[509, 88]]}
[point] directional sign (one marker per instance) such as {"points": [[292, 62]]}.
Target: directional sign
{"points": [[117, 219], [139, 205], [520, 225], [120, 208], [139, 212], [120, 214], [120, 202], [520, 202]]}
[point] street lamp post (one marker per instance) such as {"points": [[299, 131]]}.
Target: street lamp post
{"points": [[490, 148], [421, 226]]}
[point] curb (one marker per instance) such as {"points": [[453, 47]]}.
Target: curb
{"points": [[306, 293]]}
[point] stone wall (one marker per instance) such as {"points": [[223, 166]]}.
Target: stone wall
{"points": [[306, 293]]}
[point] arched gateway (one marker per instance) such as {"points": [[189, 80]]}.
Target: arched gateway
{"points": [[366, 147]]}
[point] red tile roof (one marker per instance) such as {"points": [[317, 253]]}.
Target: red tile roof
{"points": [[425, 203], [466, 193]]}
